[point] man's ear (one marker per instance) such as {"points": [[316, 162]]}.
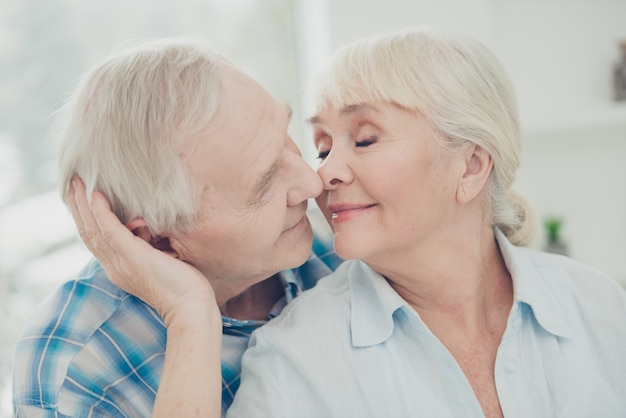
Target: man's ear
{"points": [[140, 229], [478, 166]]}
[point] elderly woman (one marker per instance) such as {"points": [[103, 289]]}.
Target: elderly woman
{"points": [[441, 312], [445, 314]]}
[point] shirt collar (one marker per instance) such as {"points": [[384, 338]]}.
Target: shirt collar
{"points": [[293, 288], [374, 301], [373, 305], [532, 287]]}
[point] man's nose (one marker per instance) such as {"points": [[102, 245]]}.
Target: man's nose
{"points": [[307, 183]]}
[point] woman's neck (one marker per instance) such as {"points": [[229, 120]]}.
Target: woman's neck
{"points": [[463, 287]]}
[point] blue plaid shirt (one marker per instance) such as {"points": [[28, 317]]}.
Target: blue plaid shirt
{"points": [[93, 350]]}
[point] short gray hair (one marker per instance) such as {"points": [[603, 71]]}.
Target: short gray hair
{"points": [[122, 128]]}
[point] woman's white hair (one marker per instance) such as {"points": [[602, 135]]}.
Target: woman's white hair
{"points": [[457, 84], [122, 128]]}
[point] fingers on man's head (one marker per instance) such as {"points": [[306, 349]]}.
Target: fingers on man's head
{"points": [[81, 212]]}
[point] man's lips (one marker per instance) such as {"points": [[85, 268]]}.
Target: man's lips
{"points": [[300, 217], [296, 224]]}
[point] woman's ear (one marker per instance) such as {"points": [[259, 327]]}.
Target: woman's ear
{"points": [[478, 166], [140, 229]]}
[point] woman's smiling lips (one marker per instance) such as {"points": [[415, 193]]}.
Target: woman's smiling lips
{"points": [[343, 211]]}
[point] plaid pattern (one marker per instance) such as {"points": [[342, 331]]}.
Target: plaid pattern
{"points": [[92, 350]]}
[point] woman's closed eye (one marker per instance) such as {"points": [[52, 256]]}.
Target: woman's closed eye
{"points": [[366, 142], [323, 142], [322, 154]]}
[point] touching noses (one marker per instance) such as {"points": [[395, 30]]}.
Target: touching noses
{"points": [[306, 183]]}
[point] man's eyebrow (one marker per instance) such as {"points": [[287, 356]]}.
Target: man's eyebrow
{"points": [[266, 177], [289, 112], [365, 107], [313, 120], [263, 181]]}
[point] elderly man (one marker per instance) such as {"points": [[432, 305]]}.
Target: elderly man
{"points": [[195, 159]]}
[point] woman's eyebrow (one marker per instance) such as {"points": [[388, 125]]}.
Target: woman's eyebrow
{"points": [[349, 109], [359, 107]]}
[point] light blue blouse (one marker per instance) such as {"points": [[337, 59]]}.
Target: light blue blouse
{"points": [[352, 347]]}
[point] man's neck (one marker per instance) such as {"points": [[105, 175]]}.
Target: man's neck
{"points": [[256, 302]]}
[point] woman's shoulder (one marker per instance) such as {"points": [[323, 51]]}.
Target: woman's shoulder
{"points": [[585, 283], [576, 269], [328, 302], [330, 289]]}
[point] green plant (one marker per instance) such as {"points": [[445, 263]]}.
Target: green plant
{"points": [[552, 226]]}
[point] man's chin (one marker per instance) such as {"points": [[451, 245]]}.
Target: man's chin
{"points": [[300, 248]]}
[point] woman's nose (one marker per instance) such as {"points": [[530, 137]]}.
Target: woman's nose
{"points": [[335, 170]]}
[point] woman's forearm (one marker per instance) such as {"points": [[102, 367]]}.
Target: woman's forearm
{"points": [[191, 384]]}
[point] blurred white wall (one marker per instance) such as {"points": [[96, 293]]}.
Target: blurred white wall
{"points": [[559, 54]]}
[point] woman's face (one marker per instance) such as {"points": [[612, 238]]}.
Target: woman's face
{"points": [[388, 184]]}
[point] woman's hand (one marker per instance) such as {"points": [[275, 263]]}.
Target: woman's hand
{"points": [[190, 382], [158, 278]]}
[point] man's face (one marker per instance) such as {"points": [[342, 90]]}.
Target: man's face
{"points": [[255, 187]]}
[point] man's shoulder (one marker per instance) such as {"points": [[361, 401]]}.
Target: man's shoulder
{"points": [[86, 334], [76, 307]]}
